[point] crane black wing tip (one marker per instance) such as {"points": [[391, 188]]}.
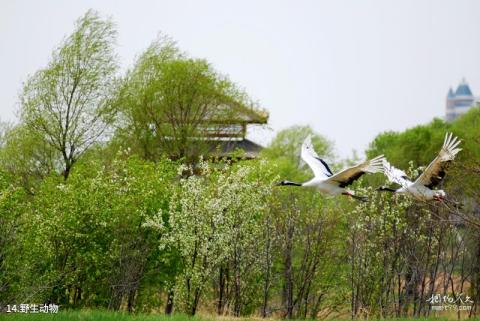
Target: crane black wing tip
{"points": [[385, 189]]}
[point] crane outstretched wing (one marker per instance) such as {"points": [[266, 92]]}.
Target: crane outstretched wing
{"points": [[319, 166], [351, 174], [395, 175], [435, 172]]}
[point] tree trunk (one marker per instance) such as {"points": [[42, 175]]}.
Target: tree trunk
{"points": [[131, 300], [169, 305], [221, 291], [195, 302], [288, 273], [266, 284], [116, 299]]}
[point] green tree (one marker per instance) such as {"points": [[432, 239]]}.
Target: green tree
{"points": [[27, 156], [440, 243], [171, 104], [67, 103], [308, 232], [419, 144], [13, 202], [82, 239], [287, 144]]}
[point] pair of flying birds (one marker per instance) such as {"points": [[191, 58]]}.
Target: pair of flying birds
{"points": [[421, 189]]}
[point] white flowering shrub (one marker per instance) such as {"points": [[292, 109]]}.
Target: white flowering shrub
{"points": [[215, 220]]}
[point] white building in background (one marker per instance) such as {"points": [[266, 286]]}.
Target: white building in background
{"points": [[460, 101]]}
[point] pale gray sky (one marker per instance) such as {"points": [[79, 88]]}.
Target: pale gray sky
{"points": [[350, 69]]}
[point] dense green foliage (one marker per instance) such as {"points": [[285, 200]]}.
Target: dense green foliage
{"points": [[147, 220], [166, 98], [436, 244]]}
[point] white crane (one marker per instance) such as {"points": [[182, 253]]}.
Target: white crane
{"points": [[334, 184], [422, 188]]}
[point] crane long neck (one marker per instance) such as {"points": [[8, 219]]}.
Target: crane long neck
{"points": [[386, 189], [291, 183]]}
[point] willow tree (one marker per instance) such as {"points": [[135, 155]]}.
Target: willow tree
{"points": [[174, 105], [26, 156], [67, 102]]}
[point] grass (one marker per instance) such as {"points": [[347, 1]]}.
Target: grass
{"points": [[91, 315], [103, 315]]}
